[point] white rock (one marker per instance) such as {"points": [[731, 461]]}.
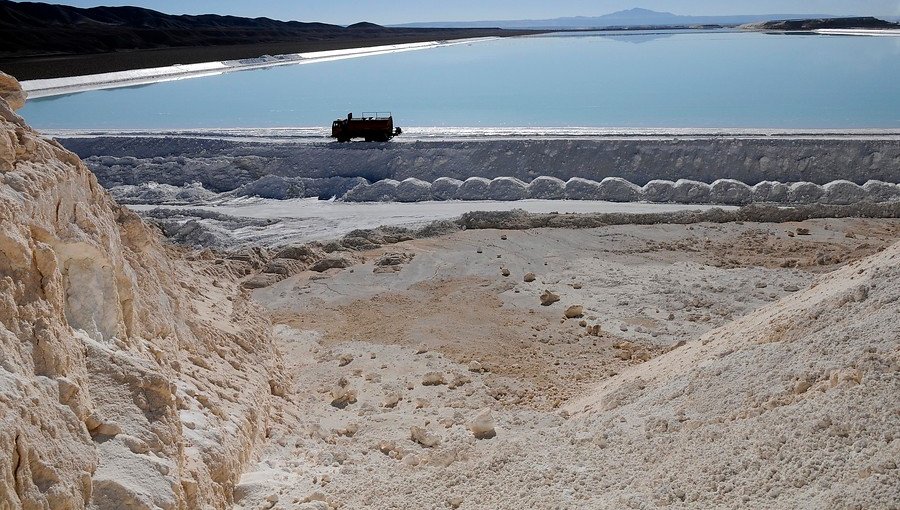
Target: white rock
{"points": [[482, 426]]}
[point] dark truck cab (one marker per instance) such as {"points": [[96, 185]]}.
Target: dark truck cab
{"points": [[372, 126]]}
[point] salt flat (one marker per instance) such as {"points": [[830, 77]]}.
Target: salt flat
{"points": [[398, 367]]}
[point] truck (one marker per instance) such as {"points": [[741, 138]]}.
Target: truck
{"points": [[371, 126]]}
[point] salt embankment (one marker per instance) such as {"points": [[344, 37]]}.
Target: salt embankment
{"points": [[610, 189], [224, 164]]}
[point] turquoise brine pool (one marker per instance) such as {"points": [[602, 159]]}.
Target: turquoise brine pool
{"points": [[709, 79]]}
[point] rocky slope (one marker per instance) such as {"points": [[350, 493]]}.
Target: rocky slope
{"points": [[129, 376]]}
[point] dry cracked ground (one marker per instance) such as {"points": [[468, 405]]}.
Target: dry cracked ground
{"points": [[444, 372]]}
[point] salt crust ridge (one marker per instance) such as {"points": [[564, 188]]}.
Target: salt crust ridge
{"points": [[616, 189], [129, 376]]}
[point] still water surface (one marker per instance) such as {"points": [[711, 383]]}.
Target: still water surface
{"points": [[710, 79]]}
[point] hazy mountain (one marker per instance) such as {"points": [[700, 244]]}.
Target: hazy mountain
{"points": [[627, 18]]}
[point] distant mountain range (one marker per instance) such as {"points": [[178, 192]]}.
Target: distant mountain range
{"points": [[41, 40], [628, 18]]}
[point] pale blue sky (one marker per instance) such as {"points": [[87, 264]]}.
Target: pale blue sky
{"points": [[402, 11]]}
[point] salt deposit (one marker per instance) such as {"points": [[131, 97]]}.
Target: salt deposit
{"points": [[691, 396], [583, 189], [616, 189], [880, 191], [381, 191], [658, 190], [772, 191], [413, 190], [547, 188], [507, 188], [730, 192], [68, 85], [690, 192], [474, 188], [843, 192], [445, 188], [805, 192], [131, 377]]}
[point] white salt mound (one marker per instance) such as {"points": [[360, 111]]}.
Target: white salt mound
{"points": [[771, 191], [474, 188], [381, 191], [730, 192], [805, 193], [690, 192], [413, 190], [583, 189], [792, 406], [880, 191], [843, 193], [547, 188], [445, 188], [658, 190], [617, 189], [507, 189]]}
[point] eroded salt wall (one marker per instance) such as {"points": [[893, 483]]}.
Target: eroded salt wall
{"points": [[130, 376], [225, 165]]}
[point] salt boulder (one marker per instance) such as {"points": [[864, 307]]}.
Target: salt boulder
{"points": [[658, 191], [547, 188], [413, 190], [381, 191], [730, 192], [474, 188], [805, 193], [617, 189], [508, 189], [771, 191], [482, 426], [843, 192], [691, 192], [445, 188], [583, 189], [880, 191]]}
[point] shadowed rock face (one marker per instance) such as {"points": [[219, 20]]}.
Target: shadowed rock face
{"points": [[11, 91], [130, 377]]}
